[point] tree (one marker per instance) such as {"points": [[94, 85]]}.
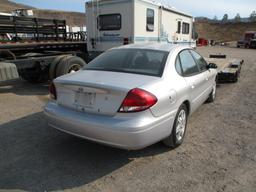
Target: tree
{"points": [[225, 18], [215, 18], [237, 17], [253, 16]]}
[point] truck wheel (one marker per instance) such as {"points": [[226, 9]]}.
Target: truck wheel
{"points": [[179, 128], [53, 67], [69, 64]]}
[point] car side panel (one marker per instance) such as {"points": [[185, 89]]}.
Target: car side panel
{"points": [[198, 90], [211, 79]]}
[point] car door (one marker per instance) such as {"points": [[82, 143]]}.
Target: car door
{"points": [[194, 78], [209, 75]]}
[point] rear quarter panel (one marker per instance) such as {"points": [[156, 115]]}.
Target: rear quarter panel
{"points": [[171, 90]]}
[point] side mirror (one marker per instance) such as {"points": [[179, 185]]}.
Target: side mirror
{"points": [[212, 66]]}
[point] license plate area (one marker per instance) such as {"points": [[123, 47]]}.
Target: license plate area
{"points": [[84, 99]]}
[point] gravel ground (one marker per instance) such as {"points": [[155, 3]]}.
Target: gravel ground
{"points": [[219, 152]]}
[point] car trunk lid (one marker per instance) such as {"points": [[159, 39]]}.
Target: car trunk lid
{"points": [[97, 92]]}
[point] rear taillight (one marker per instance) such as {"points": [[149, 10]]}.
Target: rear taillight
{"points": [[126, 41], [52, 91], [137, 100]]}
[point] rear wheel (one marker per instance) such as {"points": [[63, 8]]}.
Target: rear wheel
{"points": [[69, 64], [179, 128]]}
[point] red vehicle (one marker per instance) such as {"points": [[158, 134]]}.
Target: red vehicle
{"points": [[202, 42], [248, 41]]}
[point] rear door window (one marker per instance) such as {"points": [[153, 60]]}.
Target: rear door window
{"points": [[199, 60], [109, 22], [178, 66], [188, 64]]}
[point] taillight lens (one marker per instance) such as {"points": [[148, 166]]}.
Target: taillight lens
{"points": [[137, 100], [52, 91]]}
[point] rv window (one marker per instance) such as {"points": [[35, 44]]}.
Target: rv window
{"points": [[150, 19], [109, 22], [179, 27], [185, 28]]}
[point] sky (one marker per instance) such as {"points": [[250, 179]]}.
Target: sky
{"points": [[206, 8]]}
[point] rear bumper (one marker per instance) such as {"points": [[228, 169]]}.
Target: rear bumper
{"points": [[127, 131]]}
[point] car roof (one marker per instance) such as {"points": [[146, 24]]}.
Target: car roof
{"points": [[154, 46]]}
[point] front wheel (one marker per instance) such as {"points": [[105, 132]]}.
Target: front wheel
{"points": [[179, 128]]}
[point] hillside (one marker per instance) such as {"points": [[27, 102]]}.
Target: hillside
{"points": [[8, 6], [72, 18], [223, 32]]}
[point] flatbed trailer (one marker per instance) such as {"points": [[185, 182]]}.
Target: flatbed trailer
{"points": [[229, 69], [39, 49]]}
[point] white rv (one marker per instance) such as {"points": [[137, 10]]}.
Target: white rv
{"points": [[113, 23]]}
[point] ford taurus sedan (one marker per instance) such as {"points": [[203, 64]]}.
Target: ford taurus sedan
{"points": [[133, 96]]}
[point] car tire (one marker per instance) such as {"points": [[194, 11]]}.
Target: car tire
{"points": [[179, 128], [212, 95], [69, 64]]}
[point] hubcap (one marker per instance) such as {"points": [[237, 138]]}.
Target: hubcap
{"points": [[74, 68], [181, 125]]}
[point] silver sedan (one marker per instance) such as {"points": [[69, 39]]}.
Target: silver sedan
{"points": [[133, 96]]}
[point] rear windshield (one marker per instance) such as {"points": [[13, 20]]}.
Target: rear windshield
{"points": [[138, 61]]}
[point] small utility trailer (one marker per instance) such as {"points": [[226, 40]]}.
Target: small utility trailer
{"points": [[229, 69], [38, 49]]}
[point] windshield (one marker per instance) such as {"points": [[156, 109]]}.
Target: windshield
{"points": [[139, 61]]}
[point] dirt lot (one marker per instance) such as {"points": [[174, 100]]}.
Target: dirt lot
{"points": [[219, 152]]}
